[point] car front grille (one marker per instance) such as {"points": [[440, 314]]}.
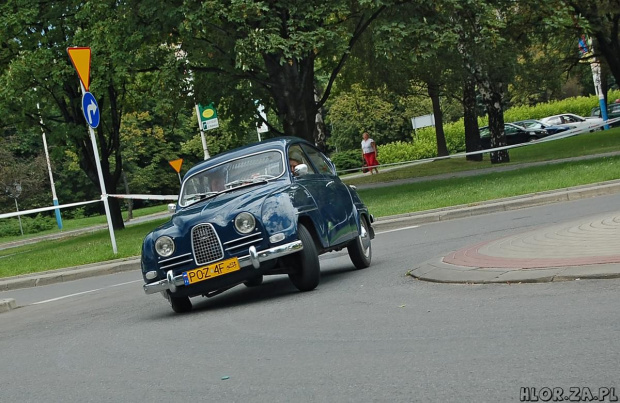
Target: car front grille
{"points": [[206, 244]]}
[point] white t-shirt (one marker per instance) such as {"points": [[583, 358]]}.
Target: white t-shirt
{"points": [[367, 146]]}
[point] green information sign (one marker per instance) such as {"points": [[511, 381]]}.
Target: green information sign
{"points": [[207, 117]]}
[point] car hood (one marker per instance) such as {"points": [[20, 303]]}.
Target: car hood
{"points": [[221, 209]]}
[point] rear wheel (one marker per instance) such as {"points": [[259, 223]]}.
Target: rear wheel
{"points": [[307, 273], [180, 304], [360, 250]]}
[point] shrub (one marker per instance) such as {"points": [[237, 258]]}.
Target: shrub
{"points": [[30, 225], [345, 160]]}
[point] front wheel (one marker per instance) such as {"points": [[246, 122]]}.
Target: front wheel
{"points": [[360, 250], [254, 282], [179, 304], [307, 274]]}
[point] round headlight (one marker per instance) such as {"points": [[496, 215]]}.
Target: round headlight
{"points": [[245, 223], [164, 246]]}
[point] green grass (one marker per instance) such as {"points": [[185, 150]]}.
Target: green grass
{"points": [[83, 249], [77, 223], [457, 191], [577, 146]]}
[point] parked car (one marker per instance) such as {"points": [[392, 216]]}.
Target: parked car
{"points": [[514, 135], [584, 125], [268, 208], [537, 124], [613, 112]]}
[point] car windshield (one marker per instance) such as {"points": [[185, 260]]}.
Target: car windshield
{"points": [[248, 170], [532, 124]]}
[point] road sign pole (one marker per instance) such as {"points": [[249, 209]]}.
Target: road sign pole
{"points": [[104, 193], [202, 134]]}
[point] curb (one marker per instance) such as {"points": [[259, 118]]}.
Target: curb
{"points": [[7, 304], [69, 274], [494, 206], [436, 271]]}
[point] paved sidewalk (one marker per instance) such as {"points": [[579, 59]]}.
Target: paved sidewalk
{"points": [[583, 249]]}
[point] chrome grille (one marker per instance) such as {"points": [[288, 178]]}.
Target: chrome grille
{"points": [[206, 244]]}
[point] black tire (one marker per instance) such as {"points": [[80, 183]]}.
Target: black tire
{"points": [[307, 274], [360, 250], [180, 304], [254, 282]]}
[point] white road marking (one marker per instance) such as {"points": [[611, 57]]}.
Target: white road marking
{"points": [[397, 229], [84, 292]]}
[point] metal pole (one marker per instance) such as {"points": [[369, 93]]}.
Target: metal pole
{"points": [[49, 169], [19, 218], [104, 194], [202, 134]]}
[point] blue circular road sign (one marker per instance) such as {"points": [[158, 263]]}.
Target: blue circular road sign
{"points": [[90, 109]]}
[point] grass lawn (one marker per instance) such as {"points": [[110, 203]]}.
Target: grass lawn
{"points": [[83, 249], [77, 223], [456, 191], [586, 144]]}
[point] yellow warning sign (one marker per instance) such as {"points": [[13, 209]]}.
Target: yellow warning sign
{"points": [[176, 164], [80, 57]]}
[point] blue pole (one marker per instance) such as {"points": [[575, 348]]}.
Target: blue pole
{"points": [[58, 218], [601, 102]]}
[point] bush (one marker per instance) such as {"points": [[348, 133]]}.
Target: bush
{"points": [[349, 159], [424, 144], [31, 225]]}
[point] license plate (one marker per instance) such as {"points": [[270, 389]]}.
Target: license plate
{"points": [[213, 270]]}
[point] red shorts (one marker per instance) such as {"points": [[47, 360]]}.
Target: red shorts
{"points": [[371, 159]]}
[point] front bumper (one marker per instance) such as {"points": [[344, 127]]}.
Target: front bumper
{"points": [[254, 258]]}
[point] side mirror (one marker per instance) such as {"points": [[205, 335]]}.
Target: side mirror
{"points": [[301, 169], [172, 208]]}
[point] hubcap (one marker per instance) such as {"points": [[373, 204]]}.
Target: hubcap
{"points": [[364, 239]]}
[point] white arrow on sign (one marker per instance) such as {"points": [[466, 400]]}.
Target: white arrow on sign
{"points": [[91, 110]]}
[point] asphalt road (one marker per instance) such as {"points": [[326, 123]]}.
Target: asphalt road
{"points": [[362, 336]]}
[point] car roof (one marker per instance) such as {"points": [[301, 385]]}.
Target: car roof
{"points": [[278, 143]]}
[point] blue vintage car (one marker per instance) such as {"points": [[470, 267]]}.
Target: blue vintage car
{"points": [[268, 208]]}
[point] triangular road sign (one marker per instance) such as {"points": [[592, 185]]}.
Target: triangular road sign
{"points": [[176, 164], [80, 57]]}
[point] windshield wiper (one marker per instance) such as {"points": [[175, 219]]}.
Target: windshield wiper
{"points": [[245, 182], [196, 197]]}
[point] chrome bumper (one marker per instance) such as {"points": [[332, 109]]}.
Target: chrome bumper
{"points": [[254, 258]]}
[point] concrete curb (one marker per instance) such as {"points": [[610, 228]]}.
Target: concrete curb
{"points": [[69, 274], [436, 271], [7, 304], [494, 206]]}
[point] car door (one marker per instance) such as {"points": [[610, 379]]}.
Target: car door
{"points": [[333, 199]]}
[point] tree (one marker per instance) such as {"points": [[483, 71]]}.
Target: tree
{"points": [[20, 177], [602, 18], [275, 45], [34, 57]]}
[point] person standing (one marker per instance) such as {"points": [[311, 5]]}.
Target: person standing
{"points": [[369, 152]]}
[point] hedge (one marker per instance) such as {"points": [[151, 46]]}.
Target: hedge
{"points": [[424, 144]]}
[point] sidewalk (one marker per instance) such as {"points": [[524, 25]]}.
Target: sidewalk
{"points": [[571, 251], [583, 249]]}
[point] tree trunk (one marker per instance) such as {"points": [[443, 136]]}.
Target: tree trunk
{"points": [[433, 93], [129, 201], [292, 88], [320, 131], [472, 132], [496, 125]]}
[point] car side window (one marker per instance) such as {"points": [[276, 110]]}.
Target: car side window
{"points": [[296, 156], [319, 161]]}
